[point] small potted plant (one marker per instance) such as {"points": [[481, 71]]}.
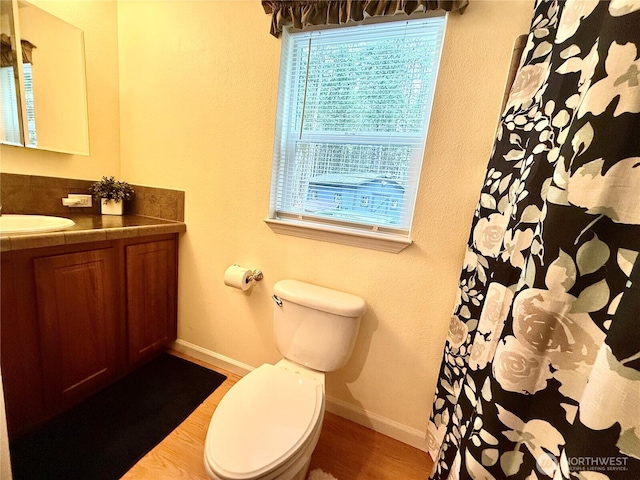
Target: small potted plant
{"points": [[112, 193]]}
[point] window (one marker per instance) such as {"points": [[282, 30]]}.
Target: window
{"points": [[353, 111]]}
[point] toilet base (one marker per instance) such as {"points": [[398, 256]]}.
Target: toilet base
{"points": [[298, 473]]}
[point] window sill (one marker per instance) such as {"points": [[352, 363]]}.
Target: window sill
{"points": [[375, 241]]}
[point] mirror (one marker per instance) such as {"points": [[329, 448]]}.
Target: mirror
{"points": [[48, 102]]}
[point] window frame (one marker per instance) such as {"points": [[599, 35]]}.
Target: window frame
{"points": [[361, 234]]}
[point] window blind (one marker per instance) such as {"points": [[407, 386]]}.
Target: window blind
{"points": [[353, 112], [32, 137]]}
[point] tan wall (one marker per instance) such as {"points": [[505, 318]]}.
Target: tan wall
{"points": [[98, 20], [198, 84]]}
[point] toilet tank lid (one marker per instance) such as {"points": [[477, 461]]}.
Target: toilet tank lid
{"points": [[320, 298]]}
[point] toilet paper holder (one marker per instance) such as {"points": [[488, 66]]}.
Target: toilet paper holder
{"points": [[255, 276], [240, 277]]}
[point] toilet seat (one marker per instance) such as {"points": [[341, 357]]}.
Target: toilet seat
{"points": [[263, 422]]}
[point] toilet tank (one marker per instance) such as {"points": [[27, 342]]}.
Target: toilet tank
{"points": [[315, 326]]}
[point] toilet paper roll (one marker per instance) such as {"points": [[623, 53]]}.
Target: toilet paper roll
{"points": [[238, 277]]}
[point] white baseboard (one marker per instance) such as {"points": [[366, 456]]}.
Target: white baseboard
{"points": [[215, 359], [375, 422], [378, 423]]}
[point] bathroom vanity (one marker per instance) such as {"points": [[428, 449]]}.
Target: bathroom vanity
{"points": [[81, 308]]}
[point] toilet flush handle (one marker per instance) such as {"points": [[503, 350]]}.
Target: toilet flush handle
{"points": [[277, 300]]}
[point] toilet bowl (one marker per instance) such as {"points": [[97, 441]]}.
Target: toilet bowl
{"points": [[268, 424]]}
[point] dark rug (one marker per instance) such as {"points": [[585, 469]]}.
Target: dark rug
{"points": [[104, 436]]}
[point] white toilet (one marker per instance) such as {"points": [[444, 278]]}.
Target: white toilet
{"points": [[267, 426]]}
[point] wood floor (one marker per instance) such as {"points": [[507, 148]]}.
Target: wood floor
{"points": [[346, 450]]}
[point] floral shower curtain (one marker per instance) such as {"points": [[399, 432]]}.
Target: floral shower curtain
{"points": [[541, 371]]}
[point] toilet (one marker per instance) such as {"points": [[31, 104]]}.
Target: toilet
{"points": [[268, 424]]}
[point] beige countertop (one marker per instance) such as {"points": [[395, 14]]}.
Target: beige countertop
{"points": [[93, 228]]}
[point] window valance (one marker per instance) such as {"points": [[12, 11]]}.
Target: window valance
{"points": [[7, 52], [301, 14]]}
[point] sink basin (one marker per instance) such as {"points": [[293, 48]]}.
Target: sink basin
{"points": [[19, 224]]}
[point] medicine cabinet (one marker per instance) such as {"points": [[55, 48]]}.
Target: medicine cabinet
{"points": [[43, 81]]}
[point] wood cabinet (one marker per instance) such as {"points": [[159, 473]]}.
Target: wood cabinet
{"points": [[151, 295], [75, 318]]}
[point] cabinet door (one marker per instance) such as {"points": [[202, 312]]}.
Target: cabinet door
{"points": [[20, 346], [151, 297], [78, 315]]}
